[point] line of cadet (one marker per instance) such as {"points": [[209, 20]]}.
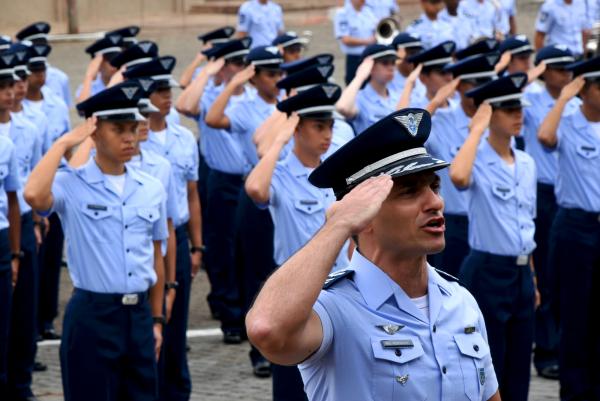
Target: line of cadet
{"points": [[143, 206]]}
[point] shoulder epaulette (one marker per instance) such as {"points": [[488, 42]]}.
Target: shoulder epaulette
{"points": [[337, 276]]}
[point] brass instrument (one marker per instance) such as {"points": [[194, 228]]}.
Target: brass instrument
{"points": [[386, 31]]}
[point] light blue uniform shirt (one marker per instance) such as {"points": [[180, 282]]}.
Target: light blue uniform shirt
{"points": [[298, 209], [222, 149], [9, 176], [352, 364], [57, 113], [244, 118], [173, 117], [181, 151], [449, 129], [382, 8], [508, 8], [357, 24], [461, 26], [563, 24], [37, 118], [545, 158], [502, 203], [96, 87], [26, 139], [342, 133], [398, 83], [110, 236], [578, 180], [262, 22], [431, 32], [484, 17], [58, 82], [372, 107]]}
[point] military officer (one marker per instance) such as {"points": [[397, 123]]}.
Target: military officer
{"points": [[562, 22], [429, 27], [261, 20], [291, 46]]}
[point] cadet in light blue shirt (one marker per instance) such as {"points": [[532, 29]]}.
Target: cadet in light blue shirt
{"points": [[429, 27], [562, 22], [484, 16], [262, 20], [500, 183], [575, 233], [354, 28], [508, 12], [99, 70], [406, 45], [418, 335], [460, 23], [363, 107], [115, 220]]}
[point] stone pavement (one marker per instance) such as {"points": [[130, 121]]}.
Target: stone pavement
{"points": [[219, 372]]}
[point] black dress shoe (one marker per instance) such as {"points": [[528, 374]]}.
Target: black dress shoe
{"points": [[262, 369], [551, 372], [232, 337], [39, 367], [50, 334]]}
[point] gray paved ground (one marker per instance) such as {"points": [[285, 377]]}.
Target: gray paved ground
{"points": [[219, 372]]}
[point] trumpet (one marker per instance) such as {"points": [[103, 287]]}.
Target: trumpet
{"points": [[386, 31]]}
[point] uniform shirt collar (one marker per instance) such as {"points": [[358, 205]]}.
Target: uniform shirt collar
{"points": [[148, 157], [92, 174], [580, 121], [295, 165], [372, 95], [463, 119]]}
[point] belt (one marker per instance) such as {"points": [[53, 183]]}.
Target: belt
{"points": [[581, 214], [520, 260], [119, 299]]}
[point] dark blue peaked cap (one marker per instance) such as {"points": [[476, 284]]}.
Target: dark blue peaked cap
{"points": [[556, 56], [230, 49], [38, 55], [479, 67], [139, 53], [218, 35], [518, 44], [394, 145], [34, 32], [22, 54], [482, 46], [265, 57], [505, 92], [117, 103], [407, 41], [109, 45], [317, 102], [378, 51], [589, 69], [435, 57], [317, 74], [158, 69], [148, 85], [8, 60], [5, 42], [289, 39], [299, 65], [128, 33]]}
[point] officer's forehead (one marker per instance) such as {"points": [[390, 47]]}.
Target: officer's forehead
{"points": [[423, 178]]}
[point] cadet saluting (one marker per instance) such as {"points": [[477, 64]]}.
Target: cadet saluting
{"points": [[396, 326], [115, 220]]}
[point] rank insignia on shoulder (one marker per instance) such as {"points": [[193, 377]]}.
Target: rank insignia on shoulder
{"points": [[336, 276]]}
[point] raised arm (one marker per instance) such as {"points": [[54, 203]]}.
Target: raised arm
{"points": [[188, 73], [216, 117], [409, 85], [282, 323], [462, 165], [259, 181], [188, 102], [267, 132], [547, 130], [90, 75], [442, 96], [346, 104]]}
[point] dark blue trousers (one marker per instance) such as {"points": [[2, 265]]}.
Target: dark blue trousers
{"points": [[23, 326], [505, 294], [352, 63], [5, 307], [107, 349], [457, 245], [546, 328], [177, 381], [575, 257], [50, 260], [203, 171], [287, 384], [223, 198]]}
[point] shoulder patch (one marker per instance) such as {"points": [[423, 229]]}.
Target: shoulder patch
{"points": [[447, 276], [337, 276]]}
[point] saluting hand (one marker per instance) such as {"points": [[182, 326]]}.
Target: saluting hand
{"points": [[503, 62], [93, 67], [446, 91], [364, 69], [213, 66], [80, 133], [288, 128], [481, 120], [243, 76], [571, 90], [412, 77], [356, 210]]}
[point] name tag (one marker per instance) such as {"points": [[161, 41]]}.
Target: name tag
{"points": [[470, 330], [97, 207], [397, 344], [309, 202]]}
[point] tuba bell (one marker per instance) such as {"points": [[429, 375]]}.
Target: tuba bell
{"points": [[386, 31]]}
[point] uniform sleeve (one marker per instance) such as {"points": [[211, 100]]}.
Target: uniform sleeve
{"points": [[544, 20], [512, 10], [340, 25], [192, 173], [327, 325], [244, 18], [237, 118], [280, 24], [59, 193], [12, 182], [171, 197], [160, 229]]}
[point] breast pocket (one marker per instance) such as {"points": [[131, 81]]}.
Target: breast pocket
{"points": [[473, 349], [97, 223], [144, 219], [184, 167], [397, 370], [589, 159], [502, 191], [308, 206]]}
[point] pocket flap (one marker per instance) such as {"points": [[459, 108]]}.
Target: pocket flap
{"points": [[96, 211], [150, 214], [308, 206], [401, 354], [503, 191], [587, 151], [472, 345]]}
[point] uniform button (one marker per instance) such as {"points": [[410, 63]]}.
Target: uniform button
{"points": [[444, 370], [124, 203], [398, 352], [476, 348], [126, 226], [95, 213], [309, 208], [150, 216], [434, 328], [130, 274], [127, 250]]}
